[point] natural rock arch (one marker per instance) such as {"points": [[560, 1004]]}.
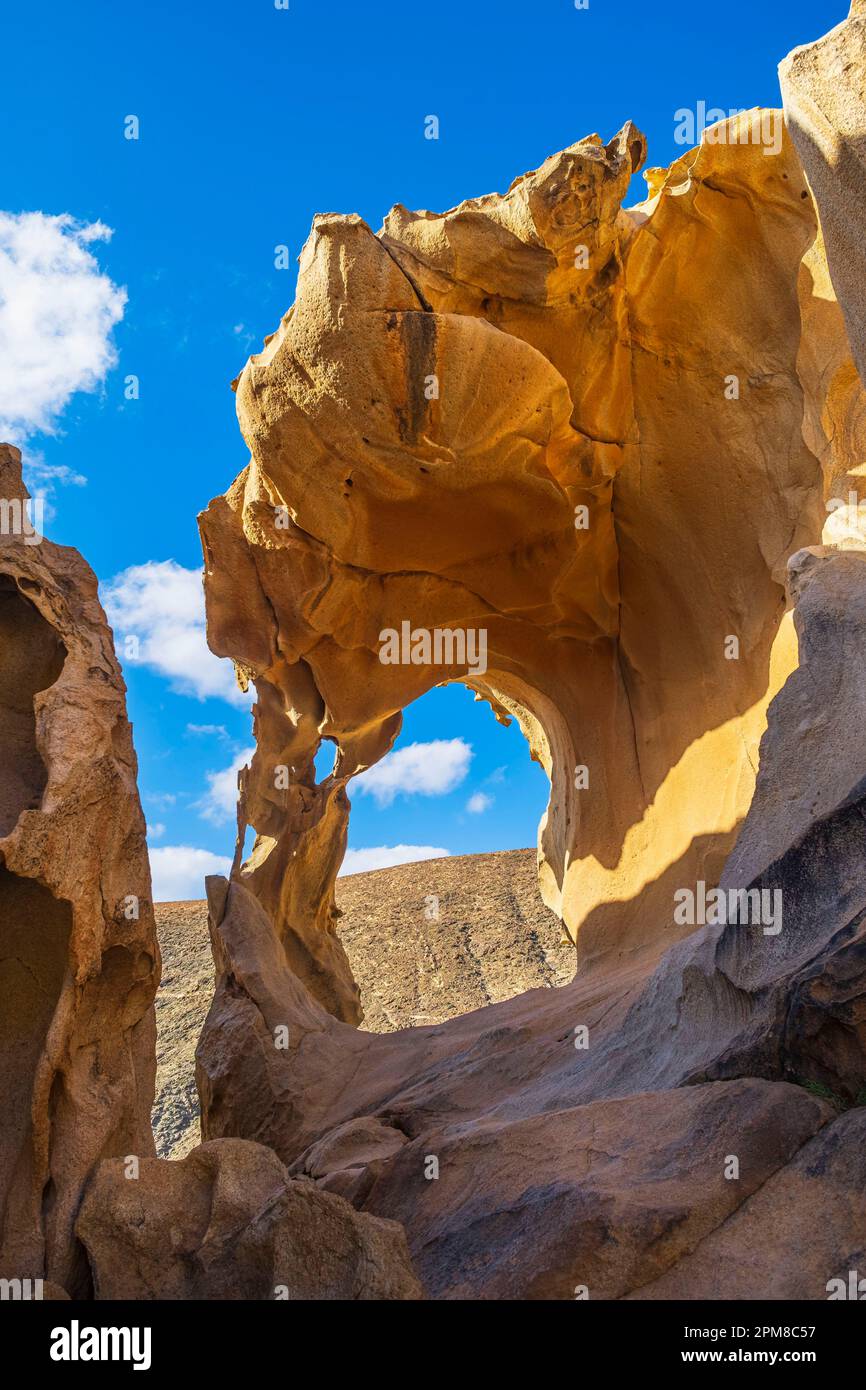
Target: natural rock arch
{"points": [[464, 424]]}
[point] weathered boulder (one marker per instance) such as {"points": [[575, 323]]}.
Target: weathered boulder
{"points": [[800, 1236], [227, 1222], [601, 1198], [79, 961]]}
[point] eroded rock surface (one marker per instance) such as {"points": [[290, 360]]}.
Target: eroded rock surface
{"points": [[605, 439], [440, 407], [78, 955], [824, 89], [526, 417], [494, 938], [227, 1222]]}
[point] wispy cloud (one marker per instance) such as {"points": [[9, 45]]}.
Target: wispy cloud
{"points": [[219, 801], [420, 769], [241, 331], [207, 730], [161, 606], [43, 479], [57, 313], [160, 798], [179, 871], [478, 803], [361, 861]]}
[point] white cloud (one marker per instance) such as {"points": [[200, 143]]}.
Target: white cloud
{"points": [[179, 871], [478, 803], [43, 478], [208, 730], [161, 798], [161, 605], [219, 801], [361, 861], [424, 769], [156, 830], [57, 313]]}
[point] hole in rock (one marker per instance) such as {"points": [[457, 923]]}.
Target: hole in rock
{"points": [[325, 761], [249, 841], [31, 659], [427, 939], [460, 923]]}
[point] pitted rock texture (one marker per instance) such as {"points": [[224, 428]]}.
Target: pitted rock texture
{"points": [[595, 434], [78, 957]]}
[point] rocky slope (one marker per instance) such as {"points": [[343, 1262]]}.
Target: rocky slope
{"points": [[493, 937], [182, 1002]]}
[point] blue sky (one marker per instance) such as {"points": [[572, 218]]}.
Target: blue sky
{"points": [[253, 119]]}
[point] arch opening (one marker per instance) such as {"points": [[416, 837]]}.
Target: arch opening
{"points": [[438, 896]]}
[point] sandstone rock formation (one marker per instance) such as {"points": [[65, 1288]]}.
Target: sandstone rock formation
{"points": [[597, 463], [815, 1205], [504, 1101], [613, 441], [526, 417], [78, 962], [602, 1167], [493, 939], [824, 89], [228, 1223]]}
